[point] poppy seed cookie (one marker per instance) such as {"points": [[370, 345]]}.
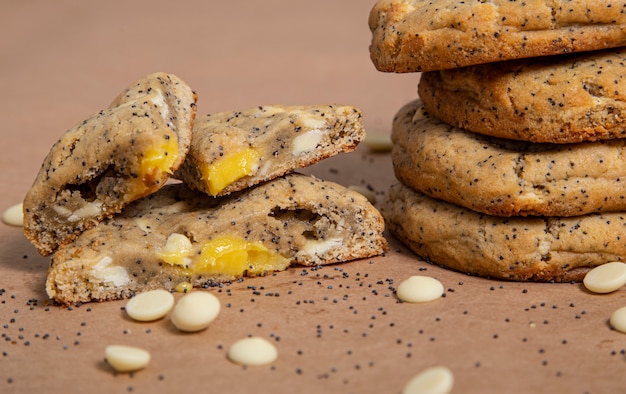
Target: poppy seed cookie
{"points": [[562, 99], [109, 160], [520, 249], [178, 235], [234, 150], [426, 35], [505, 177]]}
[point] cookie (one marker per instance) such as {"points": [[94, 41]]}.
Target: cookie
{"points": [[235, 150], [425, 35], [178, 235], [562, 99], [110, 159], [519, 249], [505, 177]]}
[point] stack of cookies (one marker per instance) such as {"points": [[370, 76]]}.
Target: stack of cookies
{"points": [[511, 163], [103, 206]]}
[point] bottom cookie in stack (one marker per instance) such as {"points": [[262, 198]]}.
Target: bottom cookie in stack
{"points": [[505, 209]]}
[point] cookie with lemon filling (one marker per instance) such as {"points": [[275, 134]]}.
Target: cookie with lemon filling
{"points": [[110, 159], [178, 235], [235, 150]]}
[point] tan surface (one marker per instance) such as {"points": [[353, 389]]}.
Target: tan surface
{"points": [[338, 329]]}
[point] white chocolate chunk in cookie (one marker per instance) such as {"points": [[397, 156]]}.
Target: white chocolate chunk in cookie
{"points": [[315, 247], [90, 209], [307, 141], [109, 274], [177, 250]]}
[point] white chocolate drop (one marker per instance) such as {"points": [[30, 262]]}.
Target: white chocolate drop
{"points": [[253, 351], [151, 305], [378, 142], [419, 289], [434, 380], [195, 311], [606, 278], [618, 320], [126, 358], [14, 215]]}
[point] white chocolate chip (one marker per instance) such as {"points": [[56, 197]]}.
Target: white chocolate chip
{"points": [[126, 358], [313, 123], [618, 320], [307, 142], [606, 278], [110, 275], [317, 247], [544, 247], [434, 380], [365, 192], [378, 142], [419, 289], [88, 210], [253, 351], [150, 305], [195, 311], [14, 216], [61, 211], [177, 250]]}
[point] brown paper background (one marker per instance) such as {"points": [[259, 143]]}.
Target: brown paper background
{"points": [[338, 329]]}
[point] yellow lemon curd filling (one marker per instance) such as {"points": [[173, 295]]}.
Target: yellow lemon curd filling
{"points": [[229, 168], [158, 159], [225, 255]]}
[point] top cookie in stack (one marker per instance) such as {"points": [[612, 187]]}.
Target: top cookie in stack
{"points": [[510, 162], [424, 35]]}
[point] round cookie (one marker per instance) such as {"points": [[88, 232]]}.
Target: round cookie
{"points": [[112, 158], [426, 35], [561, 99], [520, 249], [504, 177]]}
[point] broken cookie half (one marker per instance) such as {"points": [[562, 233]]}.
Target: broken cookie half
{"points": [[178, 235], [112, 158], [231, 151]]}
